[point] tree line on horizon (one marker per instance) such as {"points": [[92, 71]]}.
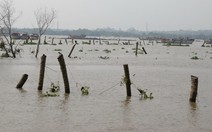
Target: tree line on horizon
{"points": [[110, 32]]}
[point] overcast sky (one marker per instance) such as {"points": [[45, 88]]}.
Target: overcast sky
{"points": [[121, 14]]}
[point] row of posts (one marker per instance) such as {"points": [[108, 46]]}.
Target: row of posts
{"points": [[194, 79], [193, 92], [42, 74]]}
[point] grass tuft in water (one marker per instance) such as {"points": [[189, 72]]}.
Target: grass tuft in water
{"points": [[195, 58]]}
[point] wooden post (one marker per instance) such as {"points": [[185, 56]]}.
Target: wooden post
{"points": [[69, 55], [127, 79], [22, 81], [66, 41], [42, 72], [64, 72], [93, 41], [194, 88], [60, 42], [136, 49], [52, 40], [144, 50], [100, 41], [45, 40]]}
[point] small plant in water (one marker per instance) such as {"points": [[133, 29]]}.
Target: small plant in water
{"points": [[107, 51], [123, 80], [144, 95], [104, 57], [53, 91], [84, 90], [5, 55], [195, 58]]}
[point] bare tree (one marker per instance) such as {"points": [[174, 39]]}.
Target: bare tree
{"points": [[7, 18], [44, 19]]}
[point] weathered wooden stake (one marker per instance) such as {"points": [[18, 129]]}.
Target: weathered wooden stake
{"points": [[45, 40], [100, 41], [69, 55], [22, 81], [127, 79], [52, 40], [64, 72], [136, 49], [144, 50], [60, 42], [42, 72], [66, 41], [194, 88]]}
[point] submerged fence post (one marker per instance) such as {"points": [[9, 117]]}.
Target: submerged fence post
{"points": [[136, 49], [66, 41], [144, 50], [194, 88], [45, 40], [22, 81], [100, 42], [42, 72], [52, 40], [127, 79], [60, 42], [69, 55], [64, 72]]}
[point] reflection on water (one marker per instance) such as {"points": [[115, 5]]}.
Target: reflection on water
{"points": [[127, 101], [22, 90], [193, 105], [167, 77]]}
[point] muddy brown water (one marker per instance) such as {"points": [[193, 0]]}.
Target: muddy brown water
{"points": [[164, 71]]}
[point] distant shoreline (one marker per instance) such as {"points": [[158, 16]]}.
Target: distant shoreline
{"points": [[200, 34]]}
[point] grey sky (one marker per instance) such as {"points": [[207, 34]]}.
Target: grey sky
{"points": [[124, 14]]}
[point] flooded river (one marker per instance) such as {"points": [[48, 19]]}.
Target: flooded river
{"points": [[164, 71]]}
